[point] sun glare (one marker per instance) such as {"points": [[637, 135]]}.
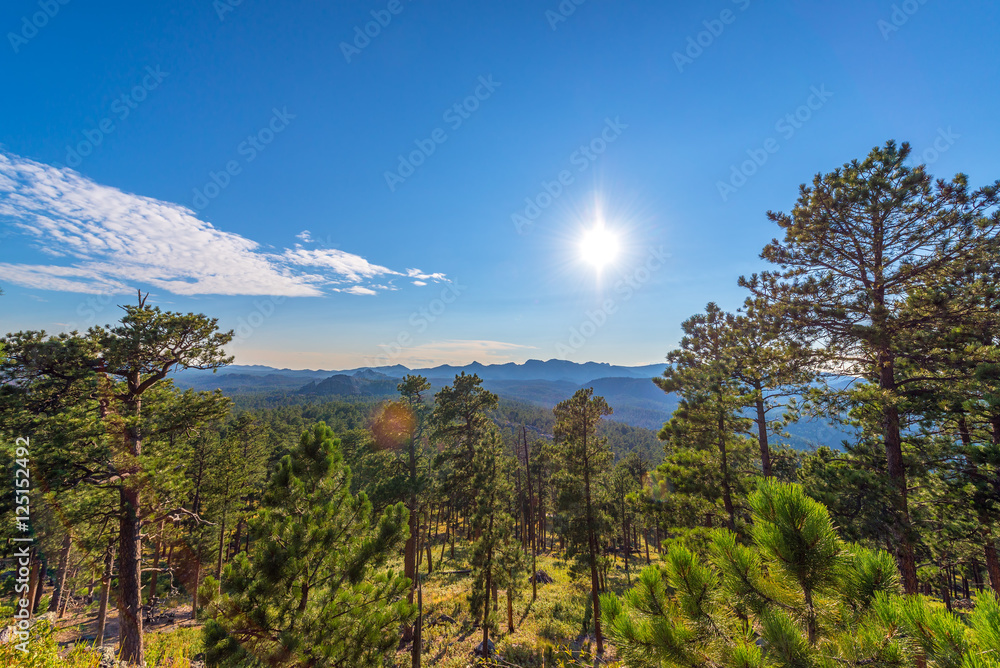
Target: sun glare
{"points": [[599, 246]]}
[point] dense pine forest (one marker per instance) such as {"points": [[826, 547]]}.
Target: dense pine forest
{"points": [[185, 528]]}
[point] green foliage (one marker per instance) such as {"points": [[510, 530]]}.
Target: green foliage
{"points": [[44, 652], [797, 597], [314, 589]]}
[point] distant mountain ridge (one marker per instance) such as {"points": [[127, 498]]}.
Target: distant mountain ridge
{"points": [[636, 400], [553, 370]]}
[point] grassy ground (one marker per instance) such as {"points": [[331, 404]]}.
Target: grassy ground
{"points": [[164, 649], [69, 642], [548, 632]]}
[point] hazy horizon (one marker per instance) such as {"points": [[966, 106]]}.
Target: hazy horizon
{"points": [[422, 366]]}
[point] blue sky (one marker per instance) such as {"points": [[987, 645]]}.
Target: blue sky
{"points": [[323, 251]]}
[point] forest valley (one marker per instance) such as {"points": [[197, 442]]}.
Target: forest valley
{"points": [[450, 528]]}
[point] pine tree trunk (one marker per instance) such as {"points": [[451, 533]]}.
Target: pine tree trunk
{"points": [[906, 555], [992, 563], [628, 575], [102, 614], [765, 450], [417, 650], [946, 588], [237, 539], [531, 516], [155, 575], [486, 603], [34, 582], [810, 617], [594, 579], [194, 588], [129, 582], [519, 524], [727, 493], [447, 534], [510, 610], [427, 543], [130, 545], [541, 509], [43, 569], [60, 590], [410, 551], [65, 598], [222, 547]]}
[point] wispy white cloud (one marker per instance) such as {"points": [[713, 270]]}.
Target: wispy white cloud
{"points": [[63, 279], [419, 275], [350, 267], [357, 290], [104, 240]]}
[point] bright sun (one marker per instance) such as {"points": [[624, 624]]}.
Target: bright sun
{"points": [[599, 246]]}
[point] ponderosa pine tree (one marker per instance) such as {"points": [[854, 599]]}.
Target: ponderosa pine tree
{"points": [[140, 352], [712, 398], [584, 456], [459, 423], [399, 427], [859, 240], [238, 472], [314, 591], [87, 393], [776, 363], [461, 418], [494, 530], [952, 376], [621, 483]]}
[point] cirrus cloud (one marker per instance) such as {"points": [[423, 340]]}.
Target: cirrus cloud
{"points": [[104, 240]]}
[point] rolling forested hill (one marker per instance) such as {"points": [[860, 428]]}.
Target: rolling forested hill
{"points": [[637, 402]]}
